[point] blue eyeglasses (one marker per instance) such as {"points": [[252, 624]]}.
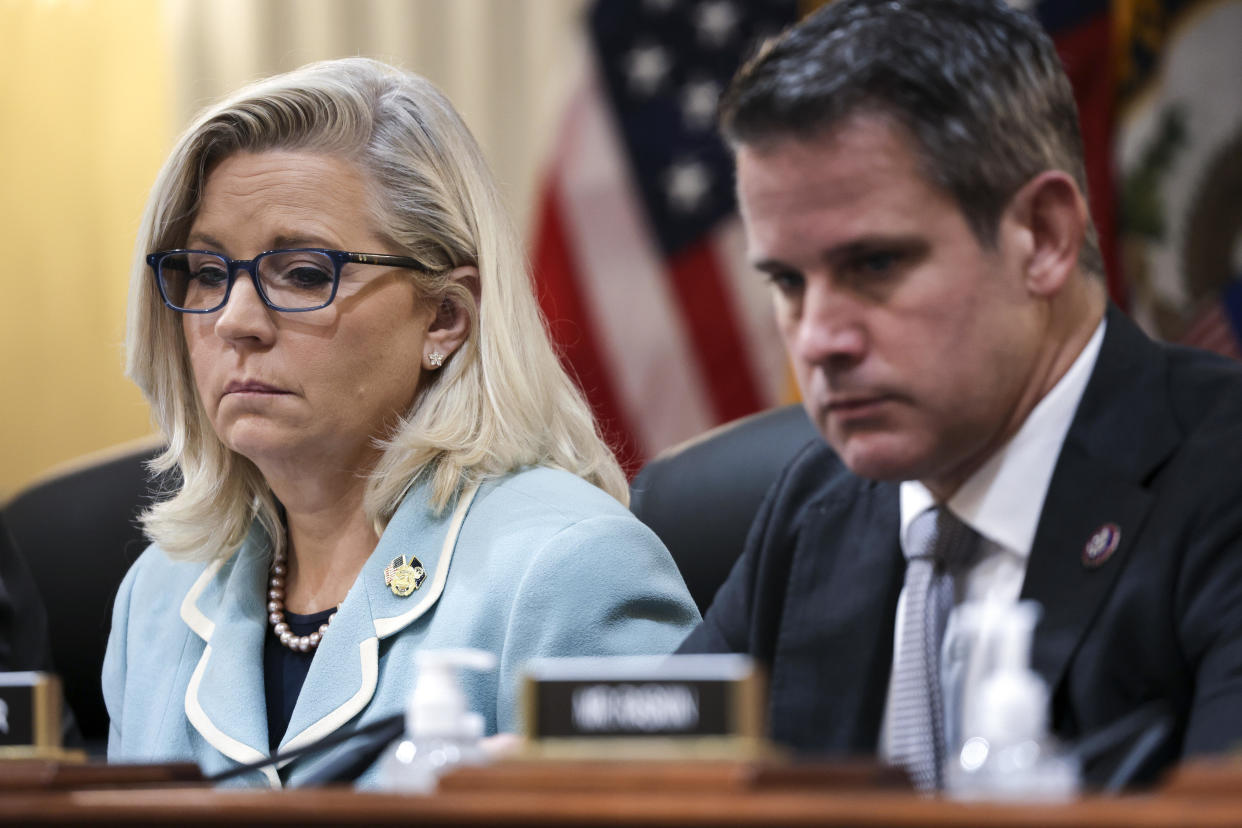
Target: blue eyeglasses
{"points": [[305, 279]]}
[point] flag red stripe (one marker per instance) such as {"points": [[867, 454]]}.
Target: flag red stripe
{"points": [[1213, 331], [1209, 320], [1212, 340], [699, 283], [1086, 51], [1215, 342], [1227, 348], [1221, 342], [568, 322]]}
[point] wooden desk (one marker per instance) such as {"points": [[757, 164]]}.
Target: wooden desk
{"points": [[194, 807], [622, 805]]}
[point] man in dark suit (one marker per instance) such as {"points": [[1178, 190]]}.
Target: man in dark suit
{"points": [[911, 179]]}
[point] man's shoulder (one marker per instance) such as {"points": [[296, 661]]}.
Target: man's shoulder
{"points": [[1205, 393], [1205, 389], [817, 505], [815, 478], [1149, 403]]}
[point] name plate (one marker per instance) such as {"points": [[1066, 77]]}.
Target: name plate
{"points": [[30, 710], [710, 704]]}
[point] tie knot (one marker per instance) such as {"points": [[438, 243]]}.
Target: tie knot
{"points": [[937, 534]]}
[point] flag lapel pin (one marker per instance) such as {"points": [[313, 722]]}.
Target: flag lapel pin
{"points": [[403, 577]]}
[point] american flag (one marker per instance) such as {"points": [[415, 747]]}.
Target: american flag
{"points": [[638, 252]]}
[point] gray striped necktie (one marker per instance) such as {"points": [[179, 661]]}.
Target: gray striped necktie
{"points": [[939, 546]]}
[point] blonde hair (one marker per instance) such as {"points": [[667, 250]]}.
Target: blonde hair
{"points": [[501, 402]]}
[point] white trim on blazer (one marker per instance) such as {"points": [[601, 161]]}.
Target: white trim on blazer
{"points": [[190, 613], [230, 747], [387, 626], [368, 652]]}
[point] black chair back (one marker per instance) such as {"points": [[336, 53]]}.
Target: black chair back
{"points": [[700, 497], [79, 534]]}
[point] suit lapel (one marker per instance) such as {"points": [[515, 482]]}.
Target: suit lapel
{"points": [[844, 583], [1084, 497], [1123, 430]]}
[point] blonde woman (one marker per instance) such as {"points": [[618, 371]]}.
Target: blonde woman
{"points": [[379, 451]]}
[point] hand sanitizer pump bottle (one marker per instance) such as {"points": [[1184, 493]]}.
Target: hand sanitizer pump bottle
{"points": [[440, 732], [1007, 751]]}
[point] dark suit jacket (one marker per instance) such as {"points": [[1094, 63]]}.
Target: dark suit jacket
{"points": [[1155, 448]]}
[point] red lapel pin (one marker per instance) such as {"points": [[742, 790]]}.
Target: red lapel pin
{"points": [[1101, 546]]}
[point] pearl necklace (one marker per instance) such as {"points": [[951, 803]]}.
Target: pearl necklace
{"points": [[276, 612]]}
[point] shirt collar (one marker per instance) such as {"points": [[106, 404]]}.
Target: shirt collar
{"points": [[1003, 499]]}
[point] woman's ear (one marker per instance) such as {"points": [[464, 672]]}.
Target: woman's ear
{"points": [[1049, 213], [452, 319]]}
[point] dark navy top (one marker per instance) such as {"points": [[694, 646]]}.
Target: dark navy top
{"points": [[284, 671]]}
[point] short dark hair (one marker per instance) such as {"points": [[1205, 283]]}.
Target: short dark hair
{"points": [[978, 86]]}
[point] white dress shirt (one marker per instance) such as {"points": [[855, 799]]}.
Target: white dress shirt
{"points": [[1002, 501]]}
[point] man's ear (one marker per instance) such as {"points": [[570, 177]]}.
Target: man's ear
{"points": [[1050, 215], [453, 317]]}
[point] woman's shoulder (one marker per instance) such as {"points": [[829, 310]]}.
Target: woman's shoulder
{"points": [[147, 606], [156, 578], [537, 510], [154, 564], [543, 533], [554, 495]]}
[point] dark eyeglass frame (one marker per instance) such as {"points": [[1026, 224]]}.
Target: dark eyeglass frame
{"points": [[339, 258]]}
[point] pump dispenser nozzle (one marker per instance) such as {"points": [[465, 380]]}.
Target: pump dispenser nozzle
{"points": [[441, 732], [1007, 751], [1013, 701], [438, 706]]}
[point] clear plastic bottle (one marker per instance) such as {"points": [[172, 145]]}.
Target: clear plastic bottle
{"points": [[440, 732], [1007, 751]]}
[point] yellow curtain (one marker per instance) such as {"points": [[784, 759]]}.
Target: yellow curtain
{"points": [[85, 121]]}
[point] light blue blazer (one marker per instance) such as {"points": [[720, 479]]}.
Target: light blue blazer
{"points": [[539, 563]]}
